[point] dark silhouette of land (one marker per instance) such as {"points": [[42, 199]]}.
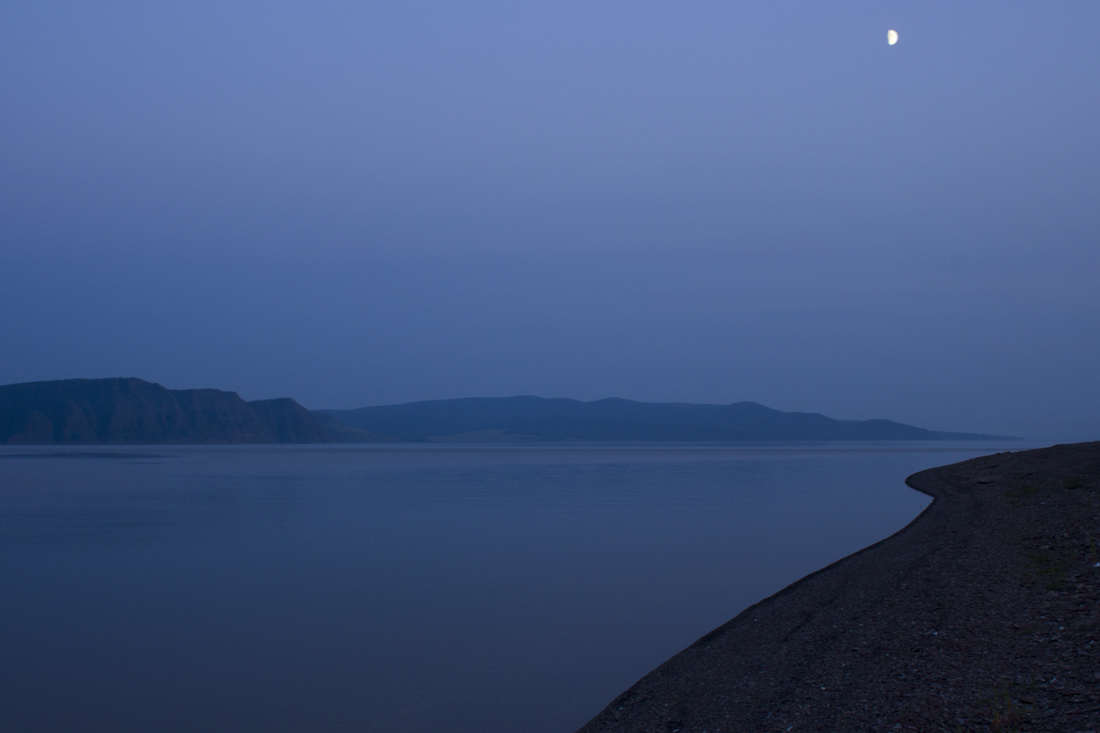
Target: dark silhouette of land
{"points": [[136, 411], [982, 615], [536, 418]]}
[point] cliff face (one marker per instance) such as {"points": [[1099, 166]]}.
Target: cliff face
{"points": [[289, 422], [136, 411]]}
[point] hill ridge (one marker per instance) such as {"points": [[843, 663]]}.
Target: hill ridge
{"points": [[131, 410], [527, 417]]}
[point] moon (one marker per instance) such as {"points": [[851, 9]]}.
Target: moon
{"points": [[891, 37]]}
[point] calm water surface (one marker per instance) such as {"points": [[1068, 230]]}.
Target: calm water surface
{"points": [[409, 588]]}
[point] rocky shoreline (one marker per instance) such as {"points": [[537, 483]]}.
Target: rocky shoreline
{"points": [[983, 614]]}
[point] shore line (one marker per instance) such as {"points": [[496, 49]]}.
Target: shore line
{"points": [[957, 622]]}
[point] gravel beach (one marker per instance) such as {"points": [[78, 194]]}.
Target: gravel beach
{"points": [[983, 614]]}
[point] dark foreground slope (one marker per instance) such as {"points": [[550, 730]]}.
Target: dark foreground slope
{"points": [[135, 411], [536, 418], [981, 615]]}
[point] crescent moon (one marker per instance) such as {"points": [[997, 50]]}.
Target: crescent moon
{"points": [[891, 37]]}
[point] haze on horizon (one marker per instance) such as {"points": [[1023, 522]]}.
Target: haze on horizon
{"points": [[358, 204]]}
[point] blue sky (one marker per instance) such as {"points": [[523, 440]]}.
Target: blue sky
{"points": [[359, 204]]}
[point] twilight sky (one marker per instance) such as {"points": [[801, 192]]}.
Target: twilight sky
{"points": [[364, 203]]}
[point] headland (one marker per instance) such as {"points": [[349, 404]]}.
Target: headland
{"points": [[133, 411]]}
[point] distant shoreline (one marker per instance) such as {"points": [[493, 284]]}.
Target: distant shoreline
{"points": [[131, 411], [967, 618]]}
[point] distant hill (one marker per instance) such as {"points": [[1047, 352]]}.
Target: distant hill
{"points": [[536, 418], [136, 411]]}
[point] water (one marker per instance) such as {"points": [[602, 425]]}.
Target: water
{"points": [[401, 588]]}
